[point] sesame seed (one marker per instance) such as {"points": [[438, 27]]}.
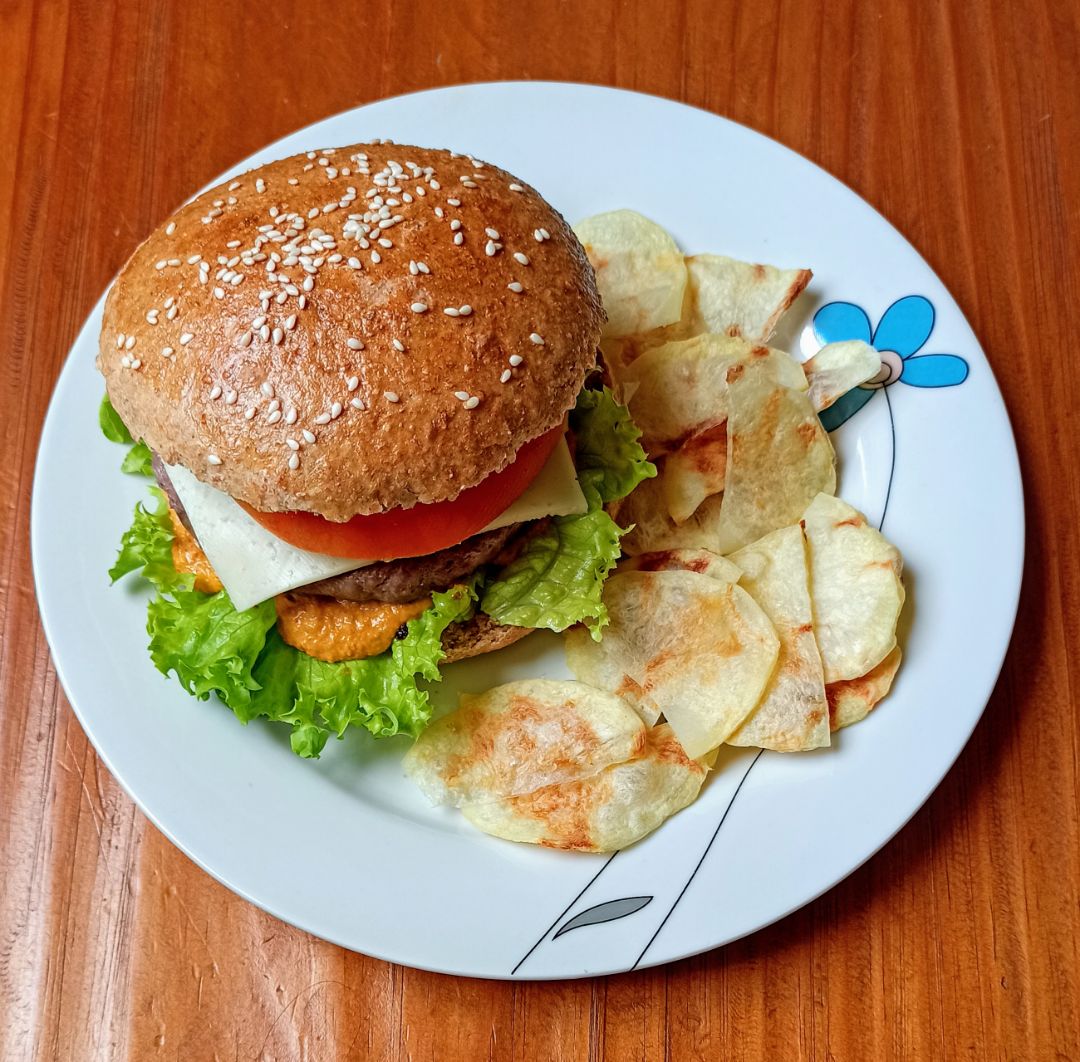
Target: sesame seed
{"points": [[219, 293], [213, 459], [491, 248], [230, 398], [467, 183], [376, 257], [522, 258], [259, 321], [506, 374], [423, 267], [293, 180], [455, 225], [233, 243], [136, 363], [398, 345], [294, 462], [172, 311], [435, 186], [352, 383], [234, 186], [260, 185], [454, 202], [323, 418], [537, 339], [249, 413], [264, 333], [419, 307], [465, 310], [166, 352], [215, 392], [451, 311], [439, 212], [459, 238], [186, 338], [461, 395], [493, 233], [357, 403], [120, 340], [516, 188], [245, 340], [274, 406], [292, 444], [385, 243], [335, 411], [354, 344], [274, 417], [515, 360], [170, 228], [290, 322], [472, 403], [309, 436], [161, 264], [129, 342], [267, 388], [392, 396], [278, 336]]}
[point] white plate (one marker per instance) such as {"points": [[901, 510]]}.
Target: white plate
{"points": [[345, 847]]}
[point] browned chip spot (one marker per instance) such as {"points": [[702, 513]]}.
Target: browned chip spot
{"points": [[759, 271], [808, 433], [706, 450], [515, 732], [851, 521]]}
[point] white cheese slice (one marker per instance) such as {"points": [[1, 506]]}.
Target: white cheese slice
{"points": [[254, 565]]}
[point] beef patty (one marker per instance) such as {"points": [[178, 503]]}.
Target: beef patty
{"points": [[394, 581]]}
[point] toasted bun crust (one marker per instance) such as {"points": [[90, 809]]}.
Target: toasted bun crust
{"points": [[284, 329], [477, 636]]}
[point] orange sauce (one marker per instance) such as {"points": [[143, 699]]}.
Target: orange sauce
{"points": [[188, 557], [329, 629]]}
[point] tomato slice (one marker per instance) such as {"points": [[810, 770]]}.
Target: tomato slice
{"points": [[423, 529]]}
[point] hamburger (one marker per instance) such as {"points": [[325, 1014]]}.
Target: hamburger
{"points": [[365, 382]]}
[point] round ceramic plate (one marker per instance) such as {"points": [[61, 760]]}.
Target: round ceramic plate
{"points": [[346, 847]]}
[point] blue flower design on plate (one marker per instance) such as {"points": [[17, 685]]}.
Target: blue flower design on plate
{"points": [[901, 333]]}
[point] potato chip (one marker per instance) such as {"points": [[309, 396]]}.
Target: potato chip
{"points": [[682, 387], [645, 512], [779, 457], [640, 271], [851, 700], [856, 588], [521, 736], [695, 649], [837, 368], [703, 561], [696, 471], [793, 714], [736, 298], [607, 811], [723, 296]]}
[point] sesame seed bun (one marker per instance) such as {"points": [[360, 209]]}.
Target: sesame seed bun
{"points": [[266, 340]]}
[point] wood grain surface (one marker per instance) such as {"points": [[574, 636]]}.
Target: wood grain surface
{"points": [[960, 122]]}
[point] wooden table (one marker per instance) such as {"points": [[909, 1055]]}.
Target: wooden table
{"points": [[960, 122]]}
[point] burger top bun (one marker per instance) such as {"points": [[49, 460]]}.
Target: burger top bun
{"points": [[352, 330]]}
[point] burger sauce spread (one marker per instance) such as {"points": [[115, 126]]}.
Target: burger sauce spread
{"points": [[330, 629]]}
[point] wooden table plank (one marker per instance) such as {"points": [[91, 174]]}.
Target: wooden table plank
{"points": [[961, 123]]}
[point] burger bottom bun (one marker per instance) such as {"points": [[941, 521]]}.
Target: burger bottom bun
{"points": [[477, 636]]}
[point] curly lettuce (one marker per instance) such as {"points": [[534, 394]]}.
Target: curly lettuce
{"points": [[138, 461], [558, 580]]}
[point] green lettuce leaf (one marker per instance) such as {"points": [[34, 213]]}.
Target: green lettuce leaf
{"points": [[210, 646], [559, 578], [112, 427], [138, 461], [146, 547], [610, 460], [379, 694]]}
